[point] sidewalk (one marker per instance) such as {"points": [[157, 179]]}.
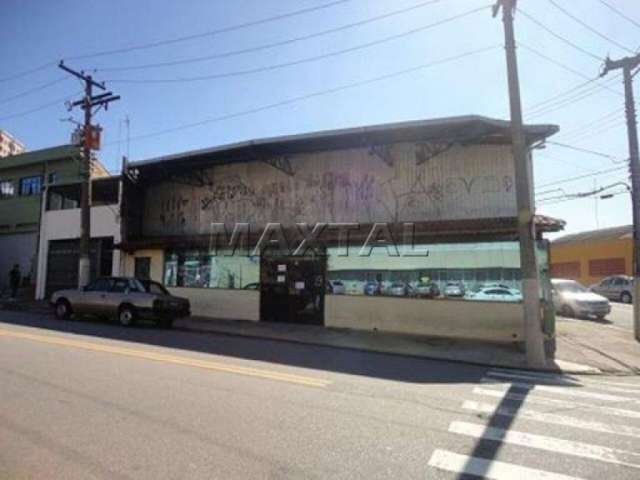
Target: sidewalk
{"points": [[582, 346], [609, 349], [466, 351]]}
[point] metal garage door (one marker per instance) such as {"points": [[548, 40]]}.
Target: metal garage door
{"points": [[62, 262]]}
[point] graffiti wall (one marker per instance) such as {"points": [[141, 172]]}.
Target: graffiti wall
{"points": [[399, 183]]}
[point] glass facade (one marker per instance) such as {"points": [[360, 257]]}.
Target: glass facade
{"points": [[203, 269], [475, 271], [470, 271]]}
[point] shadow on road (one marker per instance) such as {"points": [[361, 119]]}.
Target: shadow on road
{"points": [[322, 358]]}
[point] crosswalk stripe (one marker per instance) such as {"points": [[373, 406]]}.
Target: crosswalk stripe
{"points": [[620, 412], [564, 382], [551, 444], [493, 469], [568, 391], [551, 418], [586, 380]]}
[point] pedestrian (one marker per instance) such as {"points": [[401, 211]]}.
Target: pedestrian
{"points": [[14, 280]]}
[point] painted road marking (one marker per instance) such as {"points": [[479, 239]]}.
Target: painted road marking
{"points": [[481, 467], [620, 412], [570, 378], [551, 444], [565, 381], [165, 358], [568, 391], [551, 418]]}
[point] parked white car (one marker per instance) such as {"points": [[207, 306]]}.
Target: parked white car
{"points": [[496, 294], [572, 299], [336, 287]]}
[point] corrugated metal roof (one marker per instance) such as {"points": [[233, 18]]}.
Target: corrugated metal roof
{"points": [[613, 233], [461, 128]]}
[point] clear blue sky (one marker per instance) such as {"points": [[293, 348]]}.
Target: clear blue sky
{"points": [[37, 32]]}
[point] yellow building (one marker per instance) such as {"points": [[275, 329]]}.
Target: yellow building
{"points": [[590, 256]]}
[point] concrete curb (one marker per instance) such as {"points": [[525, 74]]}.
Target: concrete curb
{"points": [[562, 367]]}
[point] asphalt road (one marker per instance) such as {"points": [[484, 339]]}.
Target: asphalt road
{"points": [[83, 400]]}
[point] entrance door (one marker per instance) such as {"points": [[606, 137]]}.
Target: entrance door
{"points": [[292, 289]]}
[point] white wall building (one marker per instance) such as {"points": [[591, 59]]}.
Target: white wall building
{"points": [[9, 145], [58, 249]]}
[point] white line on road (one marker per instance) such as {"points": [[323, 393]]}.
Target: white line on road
{"points": [[566, 381], [568, 391], [571, 378], [551, 418], [481, 467], [550, 444], [567, 404]]}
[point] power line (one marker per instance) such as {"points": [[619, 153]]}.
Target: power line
{"points": [[239, 26], [580, 177], [583, 150], [553, 99], [274, 44], [560, 104], [626, 17], [595, 122], [589, 27], [558, 36], [33, 90], [600, 129], [308, 59], [563, 66], [315, 94], [24, 73], [40, 108]]}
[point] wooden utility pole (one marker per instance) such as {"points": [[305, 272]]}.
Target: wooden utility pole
{"points": [[534, 339], [88, 102], [627, 64]]}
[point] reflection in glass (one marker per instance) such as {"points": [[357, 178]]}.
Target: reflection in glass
{"points": [[458, 270]]}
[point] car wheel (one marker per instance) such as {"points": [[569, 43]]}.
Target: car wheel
{"points": [[126, 315], [567, 311], [600, 318], [63, 309], [625, 297]]}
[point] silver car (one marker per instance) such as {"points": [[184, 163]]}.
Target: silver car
{"points": [[617, 288], [454, 289], [571, 299], [123, 298]]}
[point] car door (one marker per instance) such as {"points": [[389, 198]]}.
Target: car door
{"points": [[603, 288], [120, 289], [91, 299]]}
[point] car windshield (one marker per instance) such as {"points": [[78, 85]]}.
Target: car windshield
{"points": [[156, 288], [570, 287], [136, 286]]}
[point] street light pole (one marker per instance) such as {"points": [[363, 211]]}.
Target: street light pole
{"points": [[534, 340]]}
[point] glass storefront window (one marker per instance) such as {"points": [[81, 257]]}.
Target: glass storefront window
{"points": [[487, 271], [201, 269]]}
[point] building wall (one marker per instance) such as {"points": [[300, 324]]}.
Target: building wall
{"points": [[9, 145], [22, 213], [352, 185], [157, 263], [446, 318], [65, 224], [572, 260]]}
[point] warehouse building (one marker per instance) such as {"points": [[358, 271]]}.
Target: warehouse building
{"points": [[590, 256], [428, 201]]}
